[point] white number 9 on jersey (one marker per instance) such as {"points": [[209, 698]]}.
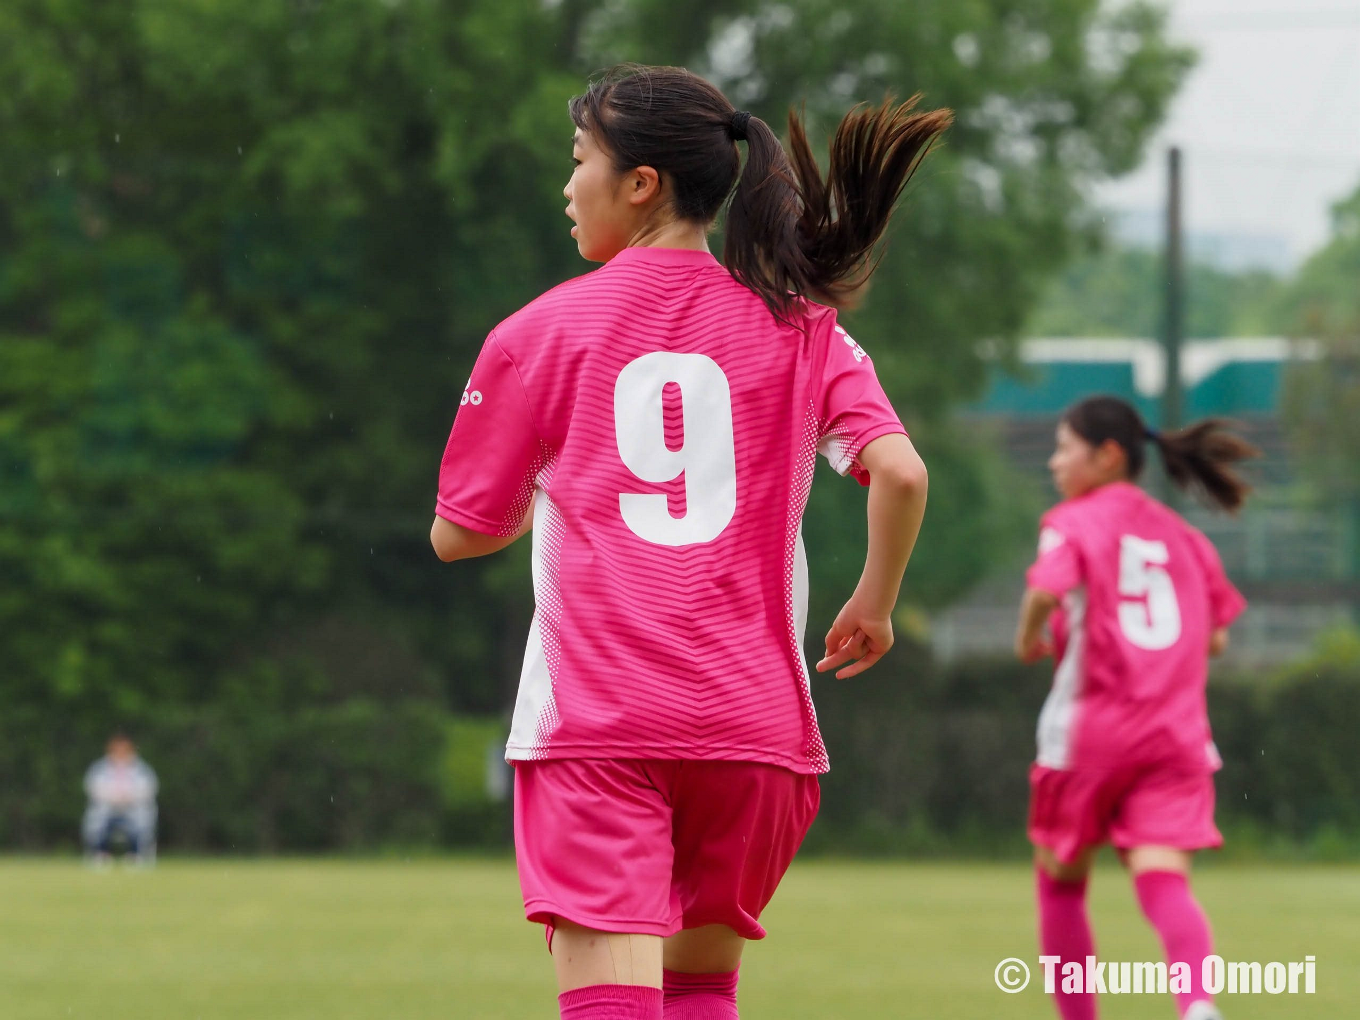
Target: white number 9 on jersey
{"points": [[1154, 624], [708, 457]]}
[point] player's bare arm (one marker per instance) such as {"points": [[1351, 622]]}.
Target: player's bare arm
{"points": [[897, 505], [1030, 643], [455, 542]]}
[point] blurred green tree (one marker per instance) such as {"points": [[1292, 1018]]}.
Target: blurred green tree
{"points": [[1115, 292], [248, 253], [1322, 397]]}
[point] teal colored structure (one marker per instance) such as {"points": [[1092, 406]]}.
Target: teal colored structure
{"points": [[1045, 390], [1233, 377], [1237, 389]]}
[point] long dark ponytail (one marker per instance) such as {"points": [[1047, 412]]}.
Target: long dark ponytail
{"points": [[1198, 457], [790, 233]]}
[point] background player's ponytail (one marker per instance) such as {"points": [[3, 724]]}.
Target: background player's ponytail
{"points": [[790, 233], [1198, 457]]}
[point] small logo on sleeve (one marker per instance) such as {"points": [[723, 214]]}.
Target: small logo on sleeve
{"points": [[858, 351], [1050, 539], [473, 397]]}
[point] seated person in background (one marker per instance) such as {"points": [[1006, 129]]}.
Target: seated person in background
{"points": [[122, 792]]}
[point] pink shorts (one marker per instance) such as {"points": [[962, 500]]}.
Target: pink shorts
{"points": [[651, 847], [1070, 810]]}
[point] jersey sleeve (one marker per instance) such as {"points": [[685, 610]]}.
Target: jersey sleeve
{"points": [[487, 476], [1057, 566], [852, 409], [1226, 603]]}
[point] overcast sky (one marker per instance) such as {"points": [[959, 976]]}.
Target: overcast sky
{"points": [[1269, 120]]}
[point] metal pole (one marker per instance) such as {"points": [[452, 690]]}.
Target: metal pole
{"points": [[1174, 315]]}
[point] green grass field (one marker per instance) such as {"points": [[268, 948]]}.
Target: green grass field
{"points": [[443, 940]]}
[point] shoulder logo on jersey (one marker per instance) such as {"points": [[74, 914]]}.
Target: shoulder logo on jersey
{"points": [[1050, 539], [470, 396], [859, 352]]}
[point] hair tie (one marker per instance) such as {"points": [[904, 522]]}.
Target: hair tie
{"points": [[737, 125]]}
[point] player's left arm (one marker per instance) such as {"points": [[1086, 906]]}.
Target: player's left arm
{"points": [[1218, 642], [1055, 571], [1030, 643], [454, 542], [488, 475]]}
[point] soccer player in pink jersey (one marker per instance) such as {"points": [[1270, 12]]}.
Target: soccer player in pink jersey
{"points": [[656, 424], [1136, 601]]}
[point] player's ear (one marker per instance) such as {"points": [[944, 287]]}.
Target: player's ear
{"points": [[643, 184], [1110, 456]]}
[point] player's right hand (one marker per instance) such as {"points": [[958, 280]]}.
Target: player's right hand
{"points": [[1032, 650], [856, 635]]}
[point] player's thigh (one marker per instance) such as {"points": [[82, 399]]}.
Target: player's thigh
{"points": [[737, 828], [1165, 817], [1069, 817], [583, 957], [593, 846], [709, 949]]}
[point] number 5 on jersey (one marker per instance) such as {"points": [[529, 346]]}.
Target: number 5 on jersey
{"points": [[1153, 621], [707, 457]]}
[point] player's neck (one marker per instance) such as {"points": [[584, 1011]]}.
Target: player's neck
{"points": [[672, 234], [1103, 485]]}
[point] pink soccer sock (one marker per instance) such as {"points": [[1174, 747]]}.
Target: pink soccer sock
{"points": [[1171, 908], [700, 996], [611, 1002], [1065, 932]]}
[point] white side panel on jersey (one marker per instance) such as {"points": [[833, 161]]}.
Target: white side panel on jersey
{"points": [[534, 703], [800, 615], [1060, 708], [800, 595], [535, 692], [835, 446]]}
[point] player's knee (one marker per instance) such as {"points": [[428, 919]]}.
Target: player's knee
{"points": [[1068, 873], [1157, 858], [711, 949], [586, 956], [1059, 870]]}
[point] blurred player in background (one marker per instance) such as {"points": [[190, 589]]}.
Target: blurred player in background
{"points": [[1137, 601], [656, 422], [122, 804]]}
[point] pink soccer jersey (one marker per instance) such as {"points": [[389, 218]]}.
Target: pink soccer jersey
{"points": [[1142, 591], [663, 427]]}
